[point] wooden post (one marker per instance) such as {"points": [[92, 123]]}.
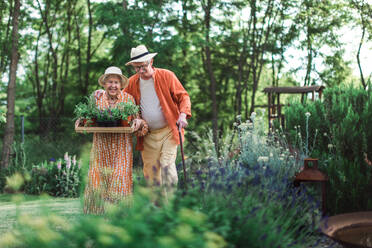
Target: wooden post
{"points": [[269, 108], [279, 108]]}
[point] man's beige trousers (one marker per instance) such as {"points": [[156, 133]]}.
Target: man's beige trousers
{"points": [[159, 158]]}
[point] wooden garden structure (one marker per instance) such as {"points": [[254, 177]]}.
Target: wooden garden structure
{"points": [[275, 107]]}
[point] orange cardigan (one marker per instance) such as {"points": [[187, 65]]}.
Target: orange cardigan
{"points": [[172, 96]]}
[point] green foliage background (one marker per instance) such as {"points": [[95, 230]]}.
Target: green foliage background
{"points": [[342, 121]]}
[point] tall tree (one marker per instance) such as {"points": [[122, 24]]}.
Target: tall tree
{"points": [[207, 6], [9, 128], [364, 10], [317, 21], [5, 25]]}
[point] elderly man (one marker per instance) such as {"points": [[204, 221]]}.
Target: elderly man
{"points": [[165, 106]]}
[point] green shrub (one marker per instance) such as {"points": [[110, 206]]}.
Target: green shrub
{"points": [[141, 225], [342, 121], [57, 178]]}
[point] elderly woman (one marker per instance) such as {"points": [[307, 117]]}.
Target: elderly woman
{"points": [[110, 168]]}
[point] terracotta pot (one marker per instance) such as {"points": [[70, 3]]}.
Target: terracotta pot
{"points": [[125, 123], [89, 122]]}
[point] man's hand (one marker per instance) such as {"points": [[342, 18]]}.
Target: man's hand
{"points": [[98, 94], [182, 122], [137, 123]]}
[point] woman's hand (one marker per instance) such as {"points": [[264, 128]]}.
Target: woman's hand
{"points": [[137, 123], [98, 94], [77, 123], [144, 128]]}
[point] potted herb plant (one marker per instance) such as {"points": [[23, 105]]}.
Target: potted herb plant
{"points": [[86, 111], [108, 117], [120, 115], [127, 111]]}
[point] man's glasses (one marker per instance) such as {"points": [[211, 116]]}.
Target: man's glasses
{"points": [[139, 67]]}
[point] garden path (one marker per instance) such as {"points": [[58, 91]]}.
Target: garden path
{"points": [[35, 206]]}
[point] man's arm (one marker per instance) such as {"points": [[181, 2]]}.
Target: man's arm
{"points": [[182, 99], [181, 96]]}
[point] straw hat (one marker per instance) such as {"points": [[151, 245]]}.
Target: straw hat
{"points": [[140, 54], [113, 70]]}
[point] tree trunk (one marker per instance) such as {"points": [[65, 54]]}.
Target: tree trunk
{"points": [[4, 50], [209, 68], [242, 62], [358, 57], [9, 129], [309, 50], [89, 54]]}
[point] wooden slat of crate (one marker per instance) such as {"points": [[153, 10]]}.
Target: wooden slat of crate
{"points": [[103, 130]]}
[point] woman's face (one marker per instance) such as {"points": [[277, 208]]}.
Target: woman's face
{"points": [[112, 85]]}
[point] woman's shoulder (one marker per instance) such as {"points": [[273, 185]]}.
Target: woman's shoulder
{"points": [[127, 96]]}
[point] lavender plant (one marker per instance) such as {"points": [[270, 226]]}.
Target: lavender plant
{"points": [[250, 196]]}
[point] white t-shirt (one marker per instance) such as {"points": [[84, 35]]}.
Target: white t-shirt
{"points": [[150, 106]]}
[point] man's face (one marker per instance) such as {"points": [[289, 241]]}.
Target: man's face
{"points": [[143, 69]]}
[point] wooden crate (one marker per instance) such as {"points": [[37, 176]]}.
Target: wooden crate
{"points": [[103, 130]]}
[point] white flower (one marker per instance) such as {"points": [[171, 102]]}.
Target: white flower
{"points": [[68, 163], [330, 146], [59, 164], [324, 134], [307, 114], [253, 115], [271, 154], [263, 159], [243, 126], [66, 156], [74, 160]]}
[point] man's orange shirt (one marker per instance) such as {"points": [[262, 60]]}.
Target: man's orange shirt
{"points": [[172, 96]]}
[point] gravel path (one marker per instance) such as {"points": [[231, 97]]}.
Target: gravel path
{"points": [[327, 243]]}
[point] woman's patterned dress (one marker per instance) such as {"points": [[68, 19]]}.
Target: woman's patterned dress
{"points": [[110, 168]]}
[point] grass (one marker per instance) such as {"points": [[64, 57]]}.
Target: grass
{"points": [[13, 205]]}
